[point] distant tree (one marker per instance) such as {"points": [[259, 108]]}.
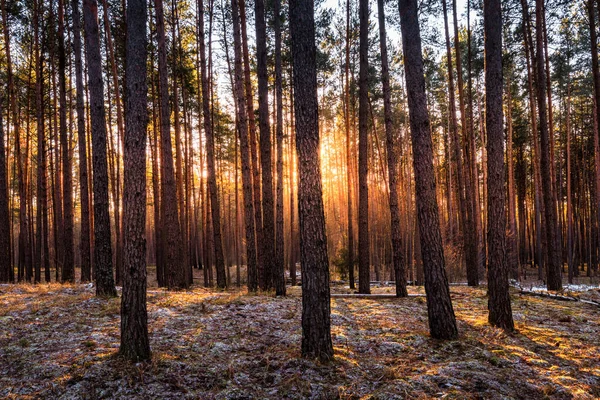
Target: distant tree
{"points": [[553, 249], [397, 255], [85, 239], [68, 261], [105, 284], [175, 270], [442, 322], [242, 128], [279, 271], [210, 160], [5, 261], [316, 325]]}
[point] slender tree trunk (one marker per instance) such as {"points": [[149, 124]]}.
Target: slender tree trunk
{"points": [[210, 159], [17, 135], [539, 226], [396, 234], [5, 260], [105, 285], [41, 199], [554, 268], [134, 317], [364, 267], [512, 253], [279, 271], [175, 270], [470, 232], [472, 150], [253, 146], [570, 229], [84, 245], [349, 163], [596, 76], [316, 330], [68, 261], [500, 312], [442, 322], [120, 130], [467, 240], [242, 128], [268, 240]]}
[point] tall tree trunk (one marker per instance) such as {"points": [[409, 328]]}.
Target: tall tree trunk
{"points": [[472, 150], [242, 128], [210, 159], [268, 241], [175, 271], [470, 232], [179, 182], [553, 250], [105, 285], [349, 163], [512, 255], [500, 312], [396, 234], [531, 68], [570, 229], [279, 271], [17, 135], [457, 158], [120, 130], [5, 260], [596, 75], [84, 245], [134, 317], [364, 267], [442, 322], [253, 146], [316, 329], [41, 199], [68, 261]]}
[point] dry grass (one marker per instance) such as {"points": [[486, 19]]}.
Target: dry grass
{"points": [[61, 342]]}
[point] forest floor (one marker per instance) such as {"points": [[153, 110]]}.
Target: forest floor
{"points": [[60, 341]]}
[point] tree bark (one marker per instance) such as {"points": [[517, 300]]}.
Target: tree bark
{"points": [[134, 317], [596, 76], [105, 285], [442, 322], [500, 312], [364, 267], [316, 329]]}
